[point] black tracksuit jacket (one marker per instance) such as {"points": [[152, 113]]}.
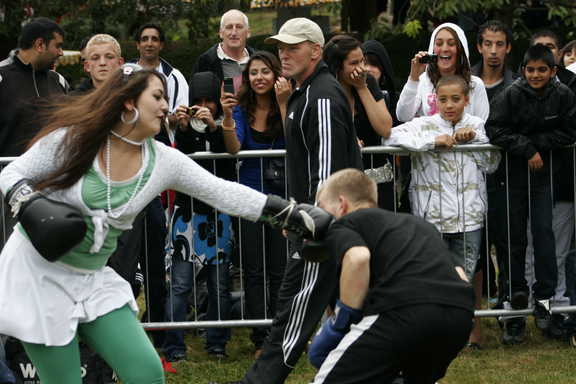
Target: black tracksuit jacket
{"points": [[22, 92], [320, 134]]}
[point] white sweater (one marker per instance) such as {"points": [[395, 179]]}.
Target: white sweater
{"points": [[171, 170], [448, 188], [419, 99]]}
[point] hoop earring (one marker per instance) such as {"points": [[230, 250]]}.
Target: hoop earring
{"points": [[133, 119]]}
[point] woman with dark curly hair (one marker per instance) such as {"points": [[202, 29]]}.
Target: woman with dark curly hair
{"points": [[253, 121]]}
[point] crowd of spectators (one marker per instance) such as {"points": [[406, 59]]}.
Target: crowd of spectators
{"points": [[512, 202]]}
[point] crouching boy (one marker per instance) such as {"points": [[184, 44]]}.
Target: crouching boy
{"points": [[403, 305]]}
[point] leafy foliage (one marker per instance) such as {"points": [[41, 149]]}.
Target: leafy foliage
{"points": [[120, 18], [560, 13]]}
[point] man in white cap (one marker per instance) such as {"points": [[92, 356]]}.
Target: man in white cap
{"points": [[320, 140]]}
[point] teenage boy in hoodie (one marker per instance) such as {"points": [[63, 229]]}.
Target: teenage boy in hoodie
{"points": [[529, 119], [563, 194]]}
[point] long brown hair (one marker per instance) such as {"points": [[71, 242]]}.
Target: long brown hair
{"points": [[462, 64], [88, 120], [247, 96]]}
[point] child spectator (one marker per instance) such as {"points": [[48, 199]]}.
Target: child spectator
{"points": [[568, 54], [199, 233], [529, 119], [448, 188]]}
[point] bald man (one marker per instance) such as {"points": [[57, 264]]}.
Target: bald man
{"points": [[228, 57]]}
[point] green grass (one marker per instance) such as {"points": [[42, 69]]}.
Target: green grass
{"points": [[538, 361]]}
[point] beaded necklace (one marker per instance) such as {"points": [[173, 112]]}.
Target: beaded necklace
{"points": [[127, 140], [109, 184]]}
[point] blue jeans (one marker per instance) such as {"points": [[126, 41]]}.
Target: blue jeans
{"points": [[201, 248], [217, 280], [6, 375], [465, 247]]}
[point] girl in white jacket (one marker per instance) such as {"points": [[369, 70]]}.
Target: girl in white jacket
{"points": [[448, 188], [448, 42]]}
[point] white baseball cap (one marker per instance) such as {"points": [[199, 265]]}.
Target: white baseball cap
{"points": [[296, 31]]}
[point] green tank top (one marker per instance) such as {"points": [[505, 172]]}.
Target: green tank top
{"points": [[94, 196]]}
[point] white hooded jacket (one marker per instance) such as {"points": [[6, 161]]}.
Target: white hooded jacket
{"points": [[448, 188], [419, 99]]}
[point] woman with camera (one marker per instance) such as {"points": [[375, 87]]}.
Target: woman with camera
{"points": [[447, 55], [253, 121]]}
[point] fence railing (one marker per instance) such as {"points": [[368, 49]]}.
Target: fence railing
{"points": [[237, 281]]}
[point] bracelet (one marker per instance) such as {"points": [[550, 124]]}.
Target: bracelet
{"points": [[20, 193], [229, 129]]}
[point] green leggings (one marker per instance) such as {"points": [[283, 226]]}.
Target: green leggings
{"points": [[117, 337]]}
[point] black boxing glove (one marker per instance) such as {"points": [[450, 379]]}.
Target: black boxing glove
{"points": [[322, 220], [302, 220], [316, 250], [53, 227]]}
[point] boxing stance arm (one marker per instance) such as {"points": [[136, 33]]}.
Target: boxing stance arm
{"points": [[354, 283], [53, 227], [355, 277]]}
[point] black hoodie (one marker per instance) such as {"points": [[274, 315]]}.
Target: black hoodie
{"points": [[386, 83], [23, 90], [523, 122], [204, 85]]}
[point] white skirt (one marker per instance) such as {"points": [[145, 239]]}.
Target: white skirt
{"points": [[43, 302]]}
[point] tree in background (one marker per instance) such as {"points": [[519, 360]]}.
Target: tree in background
{"points": [[523, 15], [81, 18]]}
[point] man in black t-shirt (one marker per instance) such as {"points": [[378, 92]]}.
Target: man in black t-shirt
{"points": [[412, 307]]}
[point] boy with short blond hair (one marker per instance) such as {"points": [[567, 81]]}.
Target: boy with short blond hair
{"points": [[413, 310]]}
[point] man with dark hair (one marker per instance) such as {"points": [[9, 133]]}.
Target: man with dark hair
{"points": [[150, 40], [26, 80], [494, 43]]}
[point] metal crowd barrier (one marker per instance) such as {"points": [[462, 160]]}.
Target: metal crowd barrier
{"points": [[237, 290]]}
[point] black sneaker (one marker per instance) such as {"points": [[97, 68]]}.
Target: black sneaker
{"points": [[175, 357], [542, 314], [514, 331], [519, 300], [557, 329], [217, 352], [228, 382]]}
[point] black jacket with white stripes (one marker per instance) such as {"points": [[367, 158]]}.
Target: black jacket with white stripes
{"points": [[23, 92], [320, 134]]}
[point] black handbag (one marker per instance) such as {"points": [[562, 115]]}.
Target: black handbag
{"points": [[274, 172]]}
